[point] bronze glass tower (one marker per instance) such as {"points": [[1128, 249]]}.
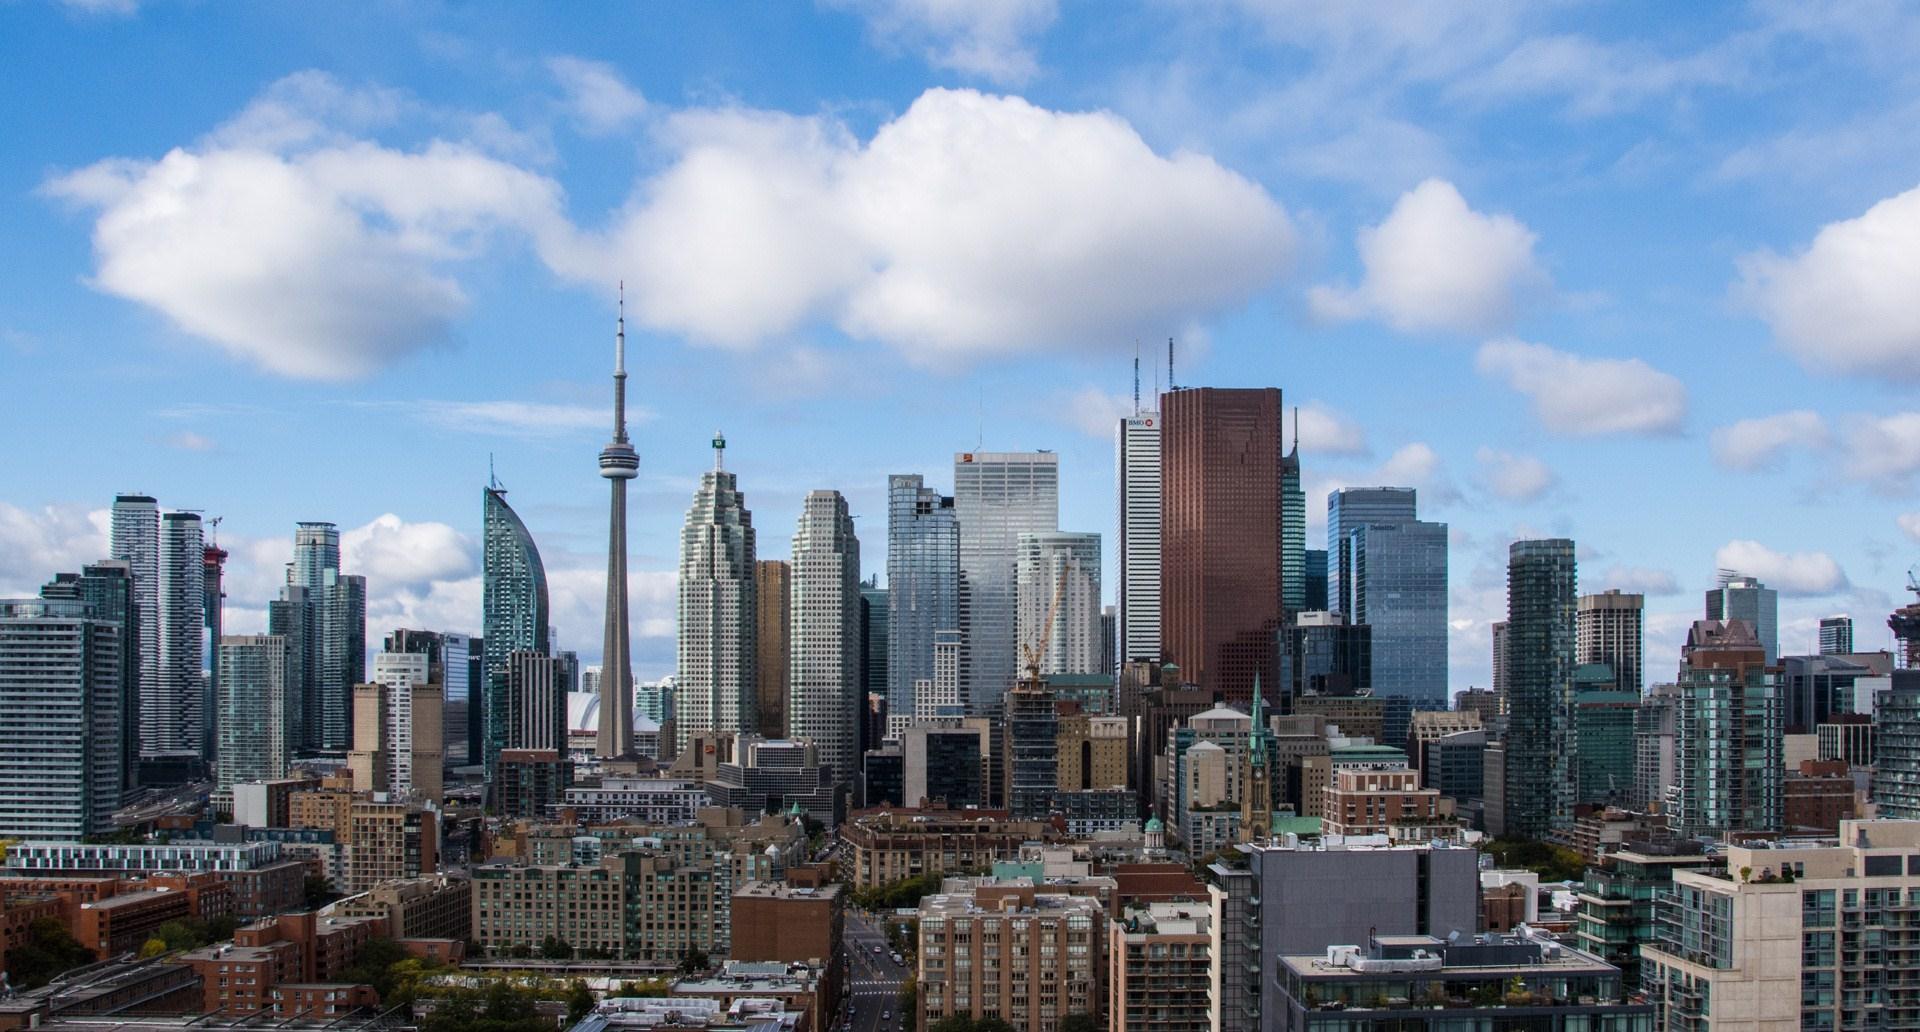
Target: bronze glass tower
{"points": [[1221, 552], [619, 464]]}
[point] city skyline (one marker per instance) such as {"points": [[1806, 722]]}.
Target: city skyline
{"points": [[1624, 480]]}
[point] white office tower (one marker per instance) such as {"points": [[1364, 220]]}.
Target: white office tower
{"points": [[997, 496], [824, 684], [1059, 574], [136, 538], [1139, 539], [176, 718], [718, 632], [60, 696], [402, 678]]}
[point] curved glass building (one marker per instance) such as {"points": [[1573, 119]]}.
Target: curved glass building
{"points": [[514, 610]]}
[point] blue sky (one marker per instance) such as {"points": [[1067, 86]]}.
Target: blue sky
{"points": [[1642, 275]]}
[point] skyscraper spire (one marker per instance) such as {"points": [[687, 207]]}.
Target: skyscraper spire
{"points": [[619, 464], [719, 451]]}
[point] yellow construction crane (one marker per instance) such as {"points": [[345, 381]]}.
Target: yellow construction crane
{"points": [[1035, 651]]}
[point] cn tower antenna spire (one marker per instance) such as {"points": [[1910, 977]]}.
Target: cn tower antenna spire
{"points": [[619, 463]]}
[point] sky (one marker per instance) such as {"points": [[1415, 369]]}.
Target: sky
{"points": [[1643, 275]]}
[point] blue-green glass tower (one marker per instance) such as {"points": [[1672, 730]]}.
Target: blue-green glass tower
{"points": [[514, 610]]}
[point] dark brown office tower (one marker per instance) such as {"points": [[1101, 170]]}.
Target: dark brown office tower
{"points": [[1220, 553]]}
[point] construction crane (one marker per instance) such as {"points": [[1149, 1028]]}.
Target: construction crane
{"points": [[1033, 652]]}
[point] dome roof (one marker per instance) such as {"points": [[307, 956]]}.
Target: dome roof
{"points": [[583, 715], [1153, 824]]}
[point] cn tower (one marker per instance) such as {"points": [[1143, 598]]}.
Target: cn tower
{"points": [[619, 464]]}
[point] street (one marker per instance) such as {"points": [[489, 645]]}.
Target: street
{"points": [[873, 979]]}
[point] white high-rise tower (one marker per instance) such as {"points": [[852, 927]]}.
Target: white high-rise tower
{"points": [[824, 686], [1138, 567], [717, 637], [136, 538]]}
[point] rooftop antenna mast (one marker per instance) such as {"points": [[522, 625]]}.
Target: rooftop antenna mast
{"points": [[1136, 377], [1170, 383], [493, 482]]}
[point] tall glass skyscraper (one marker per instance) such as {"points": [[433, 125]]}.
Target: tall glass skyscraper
{"points": [[1138, 542], [1745, 598], [255, 721], [108, 587], [336, 651], [1293, 528], [997, 496], [825, 691], [717, 644], [1399, 582], [178, 719], [1222, 527], [1348, 510], [1067, 565], [60, 739], [1541, 765], [923, 587], [514, 611], [1388, 570], [136, 539]]}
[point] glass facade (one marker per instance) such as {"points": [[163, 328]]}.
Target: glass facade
{"points": [[255, 721], [923, 587], [1540, 763], [1603, 720], [1066, 565], [1348, 510], [60, 728], [1728, 752], [1896, 747], [514, 611], [1325, 657], [997, 496], [825, 689], [1744, 598], [1398, 587]]}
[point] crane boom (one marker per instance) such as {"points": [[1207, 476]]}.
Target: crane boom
{"points": [[1035, 650]]}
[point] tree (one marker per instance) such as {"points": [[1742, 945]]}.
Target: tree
{"points": [[961, 1022], [695, 960], [152, 948], [319, 892], [48, 951], [555, 948], [375, 966], [580, 1002], [992, 1025], [1079, 1023]]}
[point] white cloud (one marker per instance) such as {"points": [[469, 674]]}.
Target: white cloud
{"points": [[187, 440], [1909, 522], [1584, 396], [509, 418], [114, 7], [1797, 573], [35, 544], [311, 260], [1436, 264], [1845, 304], [1759, 443], [1640, 579], [1599, 78], [971, 225], [1326, 431], [992, 39], [1886, 450], [1417, 465], [599, 99], [1516, 478], [392, 553], [1092, 411]]}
